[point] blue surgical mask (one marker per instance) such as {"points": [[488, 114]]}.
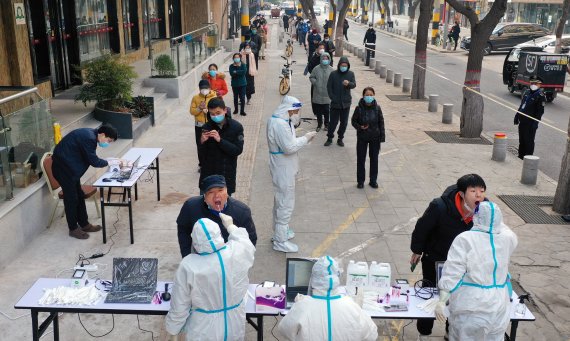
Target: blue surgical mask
{"points": [[103, 144], [254, 32], [368, 99], [217, 119], [343, 68], [213, 73], [325, 62], [237, 60]]}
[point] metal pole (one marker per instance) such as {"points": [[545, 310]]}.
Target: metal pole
{"points": [[244, 18], [445, 24], [373, 1]]}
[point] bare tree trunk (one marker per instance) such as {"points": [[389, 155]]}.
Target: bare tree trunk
{"points": [[308, 8], [387, 10], [472, 107], [412, 5], [339, 32], [419, 78], [560, 25], [333, 8], [562, 196], [395, 7]]}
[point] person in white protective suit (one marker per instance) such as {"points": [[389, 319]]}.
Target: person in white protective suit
{"points": [[210, 285], [325, 314], [476, 278], [284, 165]]}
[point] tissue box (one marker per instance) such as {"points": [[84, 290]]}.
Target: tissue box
{"points": [[270, 300]]}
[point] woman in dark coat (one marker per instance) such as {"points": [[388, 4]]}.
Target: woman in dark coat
{"points": [[248, 58], [369, 124]]}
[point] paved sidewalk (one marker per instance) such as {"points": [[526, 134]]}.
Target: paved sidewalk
{"points": [[331, 217]]}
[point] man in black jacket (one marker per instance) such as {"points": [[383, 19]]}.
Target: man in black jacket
{"points": [[209, 205], [257, 40], [532, 104], [340, 82], [71, 158], [444, 219], [329, 47], [370, 43], [220, 144]]}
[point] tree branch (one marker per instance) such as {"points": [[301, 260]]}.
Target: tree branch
{"points": [[496, 12], [466, 11]]}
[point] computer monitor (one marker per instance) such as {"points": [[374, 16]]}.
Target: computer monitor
{"points": [[298, 275]]}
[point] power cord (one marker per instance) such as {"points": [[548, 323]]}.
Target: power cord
{"points": [[114, 233], [424, 289], [144, 330], [274, 328], [97, 336], [404, 329], [13, 318]]}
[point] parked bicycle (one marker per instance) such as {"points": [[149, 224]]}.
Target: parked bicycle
{"points": [[289, 48], [286, 77]]}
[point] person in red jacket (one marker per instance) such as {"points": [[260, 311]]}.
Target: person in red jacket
{"points": [[217, 80]]}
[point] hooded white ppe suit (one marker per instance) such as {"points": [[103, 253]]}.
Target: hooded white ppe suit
{"points": [[326, 315], [284, 165], [210, 285], [477, 276]]}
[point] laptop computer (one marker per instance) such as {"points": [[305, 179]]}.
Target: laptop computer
{"points": [[298, 275], [134, 280], [126, 172]]}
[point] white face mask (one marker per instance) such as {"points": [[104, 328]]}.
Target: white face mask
{"points": [[295, 119], [321, 51], [205, 91], [534, 87], [247, 50]]}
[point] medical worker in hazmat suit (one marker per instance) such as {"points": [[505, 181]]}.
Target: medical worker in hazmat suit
{"points": [[476, 278], [325, 314], [284, 166], [210, 285]]}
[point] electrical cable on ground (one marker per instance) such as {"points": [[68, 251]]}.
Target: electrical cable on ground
{"points": [[97, 336], [144, 330]]}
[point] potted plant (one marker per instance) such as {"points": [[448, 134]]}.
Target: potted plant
{"points": [[164, 66], [109, 82]]}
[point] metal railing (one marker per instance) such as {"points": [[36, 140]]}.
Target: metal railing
{"points": [[192, 48], [26, 133]]}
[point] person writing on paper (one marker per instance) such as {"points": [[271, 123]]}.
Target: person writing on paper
{"points": [[325, 314], [214, 201], [476, 278], [284, 166], [210, 285]]}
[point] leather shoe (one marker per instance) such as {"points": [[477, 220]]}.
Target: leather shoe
{"points": [[91, 228], [373, 184], [340, 143], [243, 114], [360, 185], [328, 143], [78, 233]]}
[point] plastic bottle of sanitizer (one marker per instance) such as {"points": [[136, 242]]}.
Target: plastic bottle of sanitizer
{"points": [[379, 277], [356, 277]]}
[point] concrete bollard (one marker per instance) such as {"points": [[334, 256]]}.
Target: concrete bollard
{"points": [[530, 170], [499, 147], [364, 51], [397, 79], [360, 52], [414, 36], [389, 76], [407, 85], [377, 65], [432, 106], [447, 116], [372, 63], [383, 71]]}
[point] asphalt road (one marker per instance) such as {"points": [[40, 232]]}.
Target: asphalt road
{"points": [[445, 76]]}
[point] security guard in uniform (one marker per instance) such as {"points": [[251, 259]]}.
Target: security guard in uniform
{"points": [[532, 105]]}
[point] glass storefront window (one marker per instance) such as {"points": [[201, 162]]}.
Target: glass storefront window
{"points": [[92, 28], [130, 24], [153, 19]]}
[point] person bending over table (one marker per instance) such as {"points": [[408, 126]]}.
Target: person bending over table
{"points": [[214, 201], [210, 286], [71, 158], [325, 314]]}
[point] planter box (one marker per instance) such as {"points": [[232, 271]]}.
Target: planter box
{"points": [[123, 121]]}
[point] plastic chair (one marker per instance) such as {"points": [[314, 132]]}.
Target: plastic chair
{"points": [[53, 186]]}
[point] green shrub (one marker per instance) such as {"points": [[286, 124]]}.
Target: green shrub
{"points": [[164, 66], [109, 82]]}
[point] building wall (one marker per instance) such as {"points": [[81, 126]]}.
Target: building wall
{"points": [[194, 14]]}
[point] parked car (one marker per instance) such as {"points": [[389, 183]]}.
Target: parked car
{"points": [[275, 13], [508, 35], [548, 43]]}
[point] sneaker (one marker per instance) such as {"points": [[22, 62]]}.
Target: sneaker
{"points": [[373, 184], [91, 228], [360, 185], [243, 114], [328, 143], [340, 143], [285, 247], [318, 129], [78, 233], [290, 234]]}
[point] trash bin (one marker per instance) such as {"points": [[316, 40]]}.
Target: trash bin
{"points": [[390, 24]]}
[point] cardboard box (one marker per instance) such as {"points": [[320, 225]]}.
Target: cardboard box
{"points": [[22, 174], [270, 300]]}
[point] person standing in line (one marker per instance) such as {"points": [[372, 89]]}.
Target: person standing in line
{"points": [[313, 41], [329, 47], [248, 58], [368, 121], [340, 82], [370, 43], [284, 166], [256, 46], [216, 79], [238, 71], [532, 105], [345, 27], [320, 100], [475, 278], [199, 109], [286, 22], [71, 158], [263, 34], [221, 143], [444, 219]]}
